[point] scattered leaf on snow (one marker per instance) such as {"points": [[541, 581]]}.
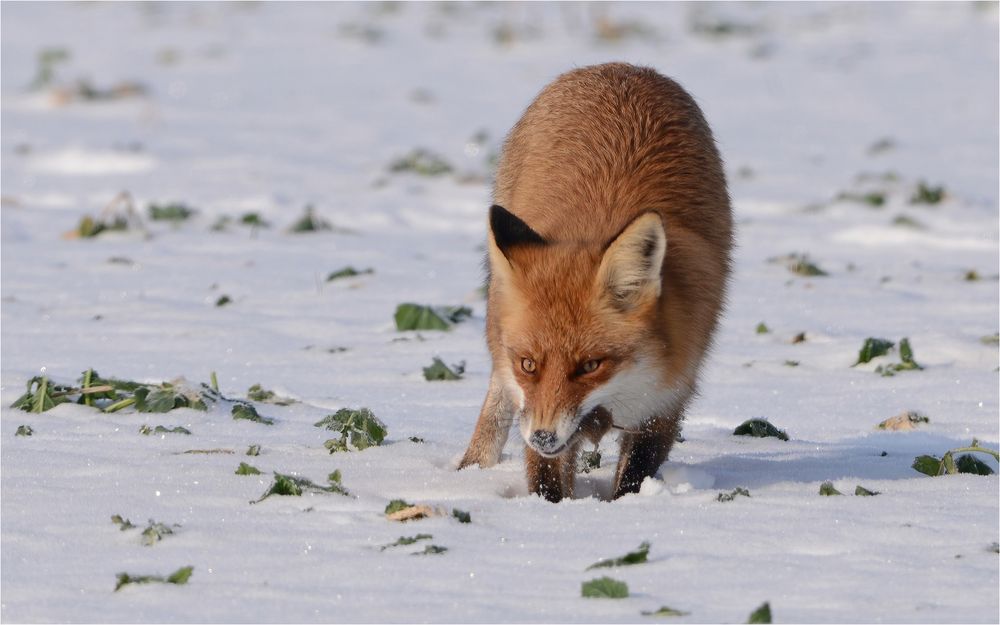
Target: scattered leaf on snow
{"points": [[724, 497], [990, 339], [253, 450], [123, 524], [246, 412], [154, 533], [396, 505], [416, 317], [358, 429], [24, 430], [861, 491], [762, 328], [633, 557], [759, 428], [604, 588], [430, 550], [826, 489], [348, 272], [247, 469], [665, 611], [873, 348], [223, 301], [799, 338], [290, 485], [761, 614], [440, 371], [421, 162], [146, 430], [180, 576], [174, 211], [41, 395], [461, 515], [926, 194], [310, 222], [406, 540], [261, 394], [967, 463]]}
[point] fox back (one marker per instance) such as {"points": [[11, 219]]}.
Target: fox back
{"points": [[609, 253]]}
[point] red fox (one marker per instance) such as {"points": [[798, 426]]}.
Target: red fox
{"points": [[609, 253]]}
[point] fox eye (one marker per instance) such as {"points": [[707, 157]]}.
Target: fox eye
{"points": [[528, 365], [590, 366]]}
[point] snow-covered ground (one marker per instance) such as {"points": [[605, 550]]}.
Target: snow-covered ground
{"points": [[268, 108]]}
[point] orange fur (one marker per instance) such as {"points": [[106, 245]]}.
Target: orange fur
{"points": [[599, 149]]}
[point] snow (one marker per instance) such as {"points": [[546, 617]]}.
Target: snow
{"points": [[272, 107]]}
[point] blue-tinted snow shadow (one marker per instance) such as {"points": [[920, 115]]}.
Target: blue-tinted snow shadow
{"points": [[880, 456]]}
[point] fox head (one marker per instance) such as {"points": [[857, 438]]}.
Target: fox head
{"points": [[577, 328]]}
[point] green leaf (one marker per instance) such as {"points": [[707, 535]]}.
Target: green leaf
{"points": [[175, 211], [165, 398], [861, 491], [24, 430], [40, 396], [633, 557], [926, 194], [762, 328], [154, 533], [873, 348], [406, 540], [928, 465], [759, 428], [223, 301], [348, 272], [666, 611], [247, 412], [396, 505], [310, 222], [416, 317], [604, 588], [967, 463], [463, 516], [430, 550], [123, 524], [440, 371], [247, 469], [791, 363], [421, 162], [761, 614], [261, 394], [990, 339], [253, 450], [738, 491], [290, 485], [180, 576], [802, 266], [827, 490], [147, 430], [254, 220], [358, 429], [416, 439]]}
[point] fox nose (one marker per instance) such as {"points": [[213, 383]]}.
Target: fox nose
{"points": [[543, 440]]}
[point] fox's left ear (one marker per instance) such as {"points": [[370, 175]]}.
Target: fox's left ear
{"points": [[630, 269]]}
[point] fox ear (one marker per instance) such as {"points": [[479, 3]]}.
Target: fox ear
{"points": [[509, 231], [630, 269]]}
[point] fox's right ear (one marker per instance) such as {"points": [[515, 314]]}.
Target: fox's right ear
{"points": [[508, 231]]}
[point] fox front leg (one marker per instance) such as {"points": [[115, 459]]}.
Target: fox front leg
{"points": [[643, 452], [492, 428], [552, 478]]}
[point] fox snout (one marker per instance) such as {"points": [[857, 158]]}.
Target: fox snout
{"points": [[546, 442]]}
